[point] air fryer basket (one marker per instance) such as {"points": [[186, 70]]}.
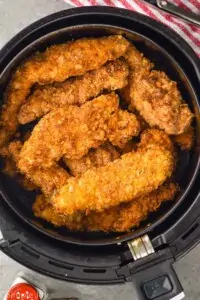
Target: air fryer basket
{"points": [[161, 47]]}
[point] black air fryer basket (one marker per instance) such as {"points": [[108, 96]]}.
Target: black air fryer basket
{"points": [[146, 255]]}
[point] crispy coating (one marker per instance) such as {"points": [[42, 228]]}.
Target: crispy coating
{"points": [[56, 63], [137, 64], [122, 126], [77, 90], [9, 167], [43, 209], [143, 124], [95, 158], [11, 156], [71, 132], [185, 140], [119, 218], [156, 136], [133, 175], [14, 150], [51, 178], [48, 179], [159, 102], [154, 95], [129, 215]]}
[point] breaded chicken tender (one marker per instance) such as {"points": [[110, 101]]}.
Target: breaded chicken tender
{"points": [[159, 102], [53, 178], [71, 132], [43, 209], [55, 64], [95, 158], [129, 215], [133, 175], [137, 64], [14, 151], [119, 218], [155, 136], [15, 148], [185, 140], [143, 124], [154, 95], [77, 90]]}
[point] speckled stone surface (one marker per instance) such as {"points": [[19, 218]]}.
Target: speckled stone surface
{"points": [[14, 16]]}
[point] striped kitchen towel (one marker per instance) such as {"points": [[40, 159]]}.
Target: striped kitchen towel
{"points": [[189, 32]]}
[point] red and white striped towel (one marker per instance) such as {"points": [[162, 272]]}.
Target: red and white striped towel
{"points": [[189, 32]]}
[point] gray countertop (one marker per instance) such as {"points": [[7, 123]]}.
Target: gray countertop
{"points": [[14, 16]]}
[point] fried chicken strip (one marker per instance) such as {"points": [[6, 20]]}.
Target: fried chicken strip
{"points": [[14, 149], [48, 176], [71, 132], [133, 175], [137, 64], [55, 64], [155, 96], [120, 218], [78, 90], [43, 209], [128, 215], [159, 102], [95, 158]]}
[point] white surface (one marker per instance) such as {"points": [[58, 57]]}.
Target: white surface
{"points": [[179, 296]]}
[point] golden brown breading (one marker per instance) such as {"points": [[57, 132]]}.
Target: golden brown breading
{"points": [[56, 63], [133, 175], [159, 102], [11, 156], [14, 150], [72, 131], [185, 140], [78, 90], [122, 126], [137, 64], [120, 218], [126, 216], [136, 60], [48, 179], [44, 210], [53, 178], [154, 95], [95, 158], [156, 136], [9, 167], [143, 124]]}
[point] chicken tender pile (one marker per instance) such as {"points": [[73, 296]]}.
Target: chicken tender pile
{"points": [[71, 132], [94, 165], [78, 90], [122, 180]]}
